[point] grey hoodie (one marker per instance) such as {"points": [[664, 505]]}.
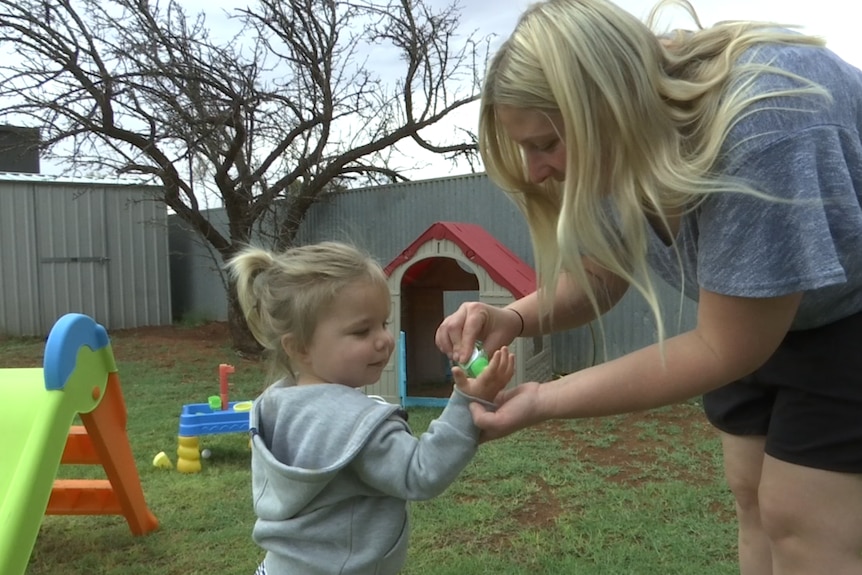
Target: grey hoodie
{"points": [[333, 469]]}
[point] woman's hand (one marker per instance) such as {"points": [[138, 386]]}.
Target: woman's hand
{"points": [[493, 378], [517, 408], [493, 326]]}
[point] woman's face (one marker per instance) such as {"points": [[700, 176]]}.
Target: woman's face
{"points": [[539, 134]]}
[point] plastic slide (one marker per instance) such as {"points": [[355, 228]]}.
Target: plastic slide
{"points": [[40, 405]]}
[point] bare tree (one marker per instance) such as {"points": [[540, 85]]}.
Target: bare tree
{"points": [[290, 107]]}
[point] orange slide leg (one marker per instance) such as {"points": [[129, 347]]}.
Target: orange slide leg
{"points": [[103, 439]]}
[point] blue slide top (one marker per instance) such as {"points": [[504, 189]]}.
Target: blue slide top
{"points": [[69, 334]]}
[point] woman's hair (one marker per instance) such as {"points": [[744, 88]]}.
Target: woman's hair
{"points": [[287, 293], [644, 116]]}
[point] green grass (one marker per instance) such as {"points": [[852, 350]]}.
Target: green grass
{"points": [[636, 495]]}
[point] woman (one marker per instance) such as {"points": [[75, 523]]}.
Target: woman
{"points": [[727, 161]]}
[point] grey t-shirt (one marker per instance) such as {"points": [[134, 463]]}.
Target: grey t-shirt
{"points": [[802, 148]]}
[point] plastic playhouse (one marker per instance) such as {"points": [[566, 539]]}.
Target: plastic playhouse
{"points": [[79, 377], [216, 416], [448, 263]]}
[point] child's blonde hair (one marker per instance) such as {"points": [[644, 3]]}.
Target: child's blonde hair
{"points": [[645, 118], [286, 293]]}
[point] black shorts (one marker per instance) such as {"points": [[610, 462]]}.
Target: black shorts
{"points": [[806, 400]]}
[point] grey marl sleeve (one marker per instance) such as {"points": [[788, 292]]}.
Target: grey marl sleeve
{"points": [[411, 468]]}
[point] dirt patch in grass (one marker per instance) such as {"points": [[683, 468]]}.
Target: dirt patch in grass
{"points": [[215, 332], [632, 449], [634, 444], [207, 343], [541, 510]]}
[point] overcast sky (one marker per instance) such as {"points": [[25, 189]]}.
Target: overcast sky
{"points": [[833, 19], [830, 19]]}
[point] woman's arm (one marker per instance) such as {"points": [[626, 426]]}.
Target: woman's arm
{"points": [[733, 337], [497, 327], [571, 307]]}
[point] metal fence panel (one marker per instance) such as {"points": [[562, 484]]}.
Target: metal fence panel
{"points": [[85, 246]]}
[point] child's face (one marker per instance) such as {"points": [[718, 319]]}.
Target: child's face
{"points": [[352, 343]]}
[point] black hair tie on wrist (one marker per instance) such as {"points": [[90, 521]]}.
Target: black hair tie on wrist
{"points": [[520, 317]]}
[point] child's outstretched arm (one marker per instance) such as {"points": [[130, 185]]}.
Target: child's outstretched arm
{"points": [[493, 378], [399, 464]]}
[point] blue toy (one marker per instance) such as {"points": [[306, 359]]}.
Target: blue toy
{"points": [[216, 416]]}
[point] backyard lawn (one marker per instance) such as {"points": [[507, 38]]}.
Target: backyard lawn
{"points": [[641, 494]]}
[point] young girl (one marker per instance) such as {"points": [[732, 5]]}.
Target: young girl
{"points": [[333, 469], [728, 161]]}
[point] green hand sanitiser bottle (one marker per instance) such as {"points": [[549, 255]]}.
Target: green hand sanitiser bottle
{"points": [[477, 362]]}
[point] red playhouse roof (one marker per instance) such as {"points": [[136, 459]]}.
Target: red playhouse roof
{"points": [[479, 247]]}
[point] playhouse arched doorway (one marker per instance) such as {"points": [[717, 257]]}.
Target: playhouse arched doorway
{"points": [[428, 290], [449, 263]]}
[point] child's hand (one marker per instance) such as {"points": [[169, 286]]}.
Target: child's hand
{"points": [[493, 378]]}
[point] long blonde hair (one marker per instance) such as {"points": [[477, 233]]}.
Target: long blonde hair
{"points": [[644, 116], [286, 293]]}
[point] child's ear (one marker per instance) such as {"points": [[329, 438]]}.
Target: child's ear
{"points": [[291, 347]]}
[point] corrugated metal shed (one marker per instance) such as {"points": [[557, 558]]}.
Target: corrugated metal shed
{"points": [[98, 247]]}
